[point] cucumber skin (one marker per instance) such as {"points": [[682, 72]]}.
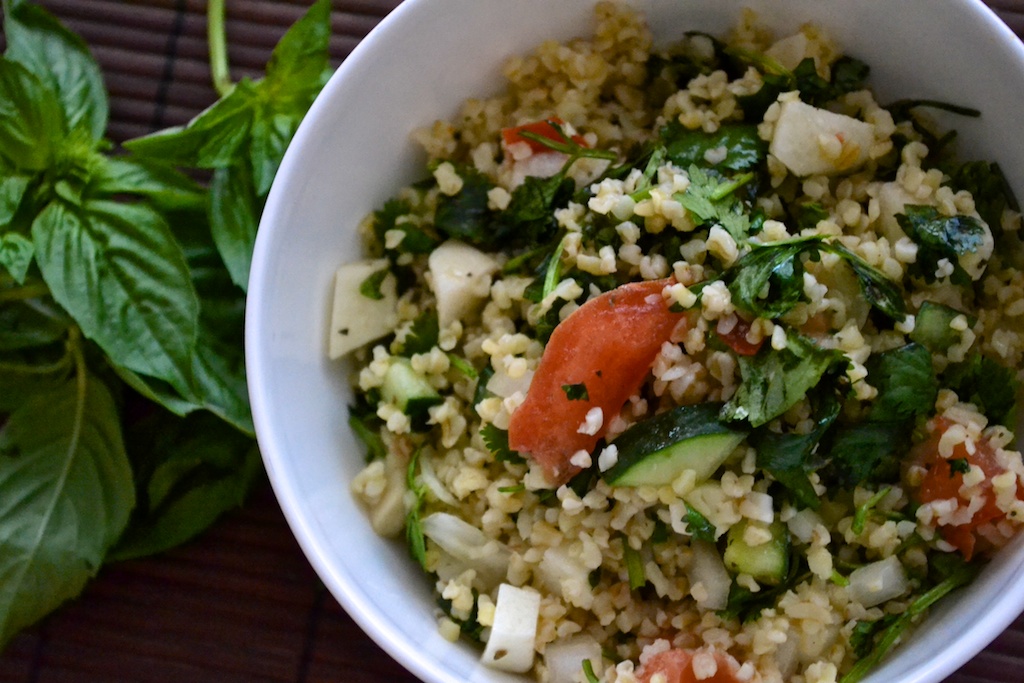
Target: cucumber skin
{"points": [[932, 330], [656, 451], [408, 389]]}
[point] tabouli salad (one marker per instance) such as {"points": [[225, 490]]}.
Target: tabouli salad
{"points": [[689, 363]]}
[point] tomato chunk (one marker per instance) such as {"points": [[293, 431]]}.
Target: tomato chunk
{"points": [[596, 358], [736, 338], [942, 482], [548, 128], [677, 666]]}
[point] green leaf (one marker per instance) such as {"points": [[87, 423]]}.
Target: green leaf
{"points": [[16, 253], [699, 526], [987, 384], [119, 272], [67, 497], [370, 287], [712, 200], [940, 237], [163, 185], [496, 440], [271, 134], [12, 192], [906, 384], [190, 472], [739, 145], [465, 215], [301, 57], [30, 323], [576, 392], [234, 218], [31, 120], [863, 452], [61, 60], [880, 291], [774, 381], [768, 280], [210, 140], [423, 335]]}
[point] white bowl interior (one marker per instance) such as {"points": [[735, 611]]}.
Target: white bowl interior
{"points": [[353, 152]]}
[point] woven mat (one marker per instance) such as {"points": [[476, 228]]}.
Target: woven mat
{"points": [[240, 604]]}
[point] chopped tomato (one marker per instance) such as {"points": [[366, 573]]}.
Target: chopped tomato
{"points": [[942, 482], [548, 128], [677, 667], [596, 358], [736, 338]]}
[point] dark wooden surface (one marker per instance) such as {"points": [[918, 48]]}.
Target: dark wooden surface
{"points": [[240, 604]]}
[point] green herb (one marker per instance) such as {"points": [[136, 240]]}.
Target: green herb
{"points": [[712, 200], [243, 136], [465, 215], [413, 517], [566, 145], [958, 465], [370, 287], [699, 526], [790, 457], [860, 516], [774, 381], [120, 298], [739, 145], [873, 642], [423, 334], [990, 188], [462, 365], [987, 384], [634, 566], [588, 672], [847, 75], [576, 392], [469, 627], [941, 238], [496, 440]]}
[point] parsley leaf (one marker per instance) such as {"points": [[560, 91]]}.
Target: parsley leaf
{"points": [[739, 145], [774, 381], [768, 280], [496, 440], [987, 384], [699, 526], [712, 200], [906, 384], [370, 287], [423, 335], [940, 237], [576, 392], [465, 215]]}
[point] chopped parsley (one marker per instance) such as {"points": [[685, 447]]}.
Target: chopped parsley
{"points": [[576, 392]]}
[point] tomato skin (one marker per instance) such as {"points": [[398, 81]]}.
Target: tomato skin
{"points": [[608, 345], [940, 482], [677, 667], [545, 128]]}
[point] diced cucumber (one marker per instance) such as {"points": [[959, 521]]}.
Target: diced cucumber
{"points": [[767, 562], [931, 326], [407, 389], [656, 451]]}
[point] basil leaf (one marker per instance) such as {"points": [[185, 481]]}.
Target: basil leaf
{"points": [[12, 192], [774, 381], [301, 61], [210, 140], [31, 120], [166, 187], [24, 375], [16, 253], [118, 271], [234, 218], [271, 134], [68, 492], [61, 60], [189, 472], [28, 324]]}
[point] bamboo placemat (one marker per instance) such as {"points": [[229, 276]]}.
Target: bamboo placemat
{"points": [[241, 604]]}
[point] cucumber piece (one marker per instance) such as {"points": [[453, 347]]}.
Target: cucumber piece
{"points": [[931, 327], [656, 451], [408, 389], [767, 562]]}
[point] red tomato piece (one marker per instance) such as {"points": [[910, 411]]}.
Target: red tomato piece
{"points": [[736, 338], [607, 345], [546, 129], [941, 482], [677, 667]]}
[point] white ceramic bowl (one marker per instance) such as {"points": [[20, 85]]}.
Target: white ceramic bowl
{"points": [[353, 151]]}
